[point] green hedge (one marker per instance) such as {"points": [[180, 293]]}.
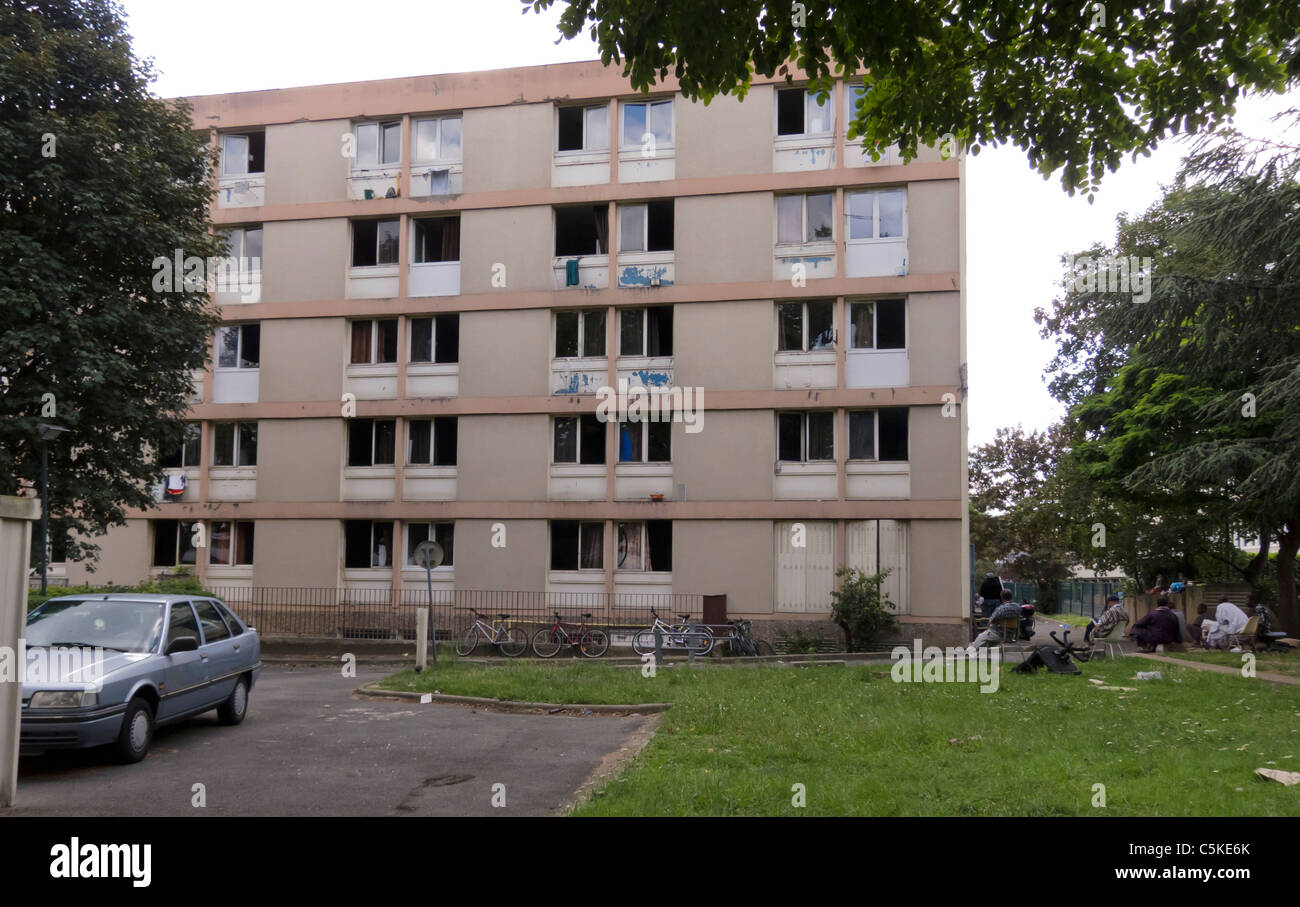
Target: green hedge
{"points": [[169, 585]]}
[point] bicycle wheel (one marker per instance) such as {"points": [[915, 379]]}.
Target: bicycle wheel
{"points": [[764, 647], [515, 642], [467, 643], [643, 642], [699, 639], [546, 642], [594, 643]]}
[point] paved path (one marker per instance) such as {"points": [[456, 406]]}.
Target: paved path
{"points": [[1219, 669], [307, 748]]}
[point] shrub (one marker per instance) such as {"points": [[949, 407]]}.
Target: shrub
{"points": [[860, 608]]}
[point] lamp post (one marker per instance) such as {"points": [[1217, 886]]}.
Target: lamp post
{"points": [[47, 433]]}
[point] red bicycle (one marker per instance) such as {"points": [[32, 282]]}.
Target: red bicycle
{"points": [[590, 641]]}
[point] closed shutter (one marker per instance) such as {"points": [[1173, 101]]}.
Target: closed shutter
{"points": [[873, 545], [805, 576]]}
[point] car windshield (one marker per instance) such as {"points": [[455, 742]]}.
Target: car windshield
{"points": [[127, 626]]}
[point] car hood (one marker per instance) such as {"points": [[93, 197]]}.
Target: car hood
{"points": [[49, 667]]}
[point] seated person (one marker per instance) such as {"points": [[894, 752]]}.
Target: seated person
{"points": [[1195, 628], [1005, 611], [1228, 619], [1112, 617], [1159, 627]]}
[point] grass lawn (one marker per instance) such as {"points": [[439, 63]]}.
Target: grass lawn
{"points": [[1287, 663], [1073, 620], [738, 739]]}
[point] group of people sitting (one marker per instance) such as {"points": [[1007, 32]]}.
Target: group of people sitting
{"points": [[1163, 625]]}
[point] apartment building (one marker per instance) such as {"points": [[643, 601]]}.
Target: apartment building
{"points": [[441, 276]]}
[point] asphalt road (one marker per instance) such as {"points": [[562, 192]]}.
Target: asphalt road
{"points": [[307, 748]]}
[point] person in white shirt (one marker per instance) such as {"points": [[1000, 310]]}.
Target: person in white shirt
{"points": [[1228, 619]]}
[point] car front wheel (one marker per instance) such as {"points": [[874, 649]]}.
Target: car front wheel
{"points": [[232, 711], [137, 731]]}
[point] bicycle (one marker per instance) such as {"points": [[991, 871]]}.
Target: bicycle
{"points": [[696, 638], [511, 641], [590, 641], [740, 640]]}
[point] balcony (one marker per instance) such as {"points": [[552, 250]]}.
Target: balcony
{"points": [[878, 480], [245, 191], [876, 368], [644, 269], [591, 272], [232, 483], [434, 278], [372, 382]]}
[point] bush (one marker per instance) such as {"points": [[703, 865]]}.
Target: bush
{"points": [[180, 584], [860, 608]]}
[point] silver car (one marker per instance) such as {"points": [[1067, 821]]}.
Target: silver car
{"points": [[108, 669]]}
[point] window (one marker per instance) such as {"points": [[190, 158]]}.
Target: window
{"points": [[876, 215], [645, 442], [443, 533], [374, 242], [214, 625], [436, 239], [652, 117], [646, 546], [805, 326], [582, 231], [236, 627], [646, 228], [580, 334], [878, 434], [245, 244], [879, 325], [583, 129], [173, 543], [378, 144], [577, 546], [367, 543], [234, 444], [232, 543], [190, 452], [239, 346], [371, 442], [431, 442], [437, 139], [436, 339], [646, 332], [243, 154], [804, 218], [374, 342], [579, 439], [805, 437], [798, 112], [181, 623]]}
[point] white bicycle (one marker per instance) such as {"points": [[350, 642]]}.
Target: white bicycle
{"points": [[696, 638]]}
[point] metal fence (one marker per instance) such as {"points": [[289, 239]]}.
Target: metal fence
{"points": [[385, 613], [1086, 597]]}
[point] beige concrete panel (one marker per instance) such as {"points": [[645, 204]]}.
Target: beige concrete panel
{"points": [[522, 239], [302, 360], [505, 353], [503, 458], [125, 556], [932, 229], [726, 137], [934, 560], [299, 459], [724, 345], [508, 147], [298, 553], [934, 452], [304, 260], [724, 238], [734, 557], [934, 335], [305, 163], [520, 566], [731, 459]]}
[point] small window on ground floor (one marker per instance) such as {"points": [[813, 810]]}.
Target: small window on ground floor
{"points": [[232, 543], [443, 533], [577, 545], [367, 543], [173, 543], [645, 546]]}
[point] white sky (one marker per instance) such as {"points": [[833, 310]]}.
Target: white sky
{"points": [[1018, 225]]}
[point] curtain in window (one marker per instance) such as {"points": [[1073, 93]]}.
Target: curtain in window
{"points": [[601, 216], [629, 547], [860, 329], [360, 342], [450, 239], [244, 542], [593, 546]]}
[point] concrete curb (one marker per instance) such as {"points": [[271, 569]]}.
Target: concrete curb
{"points": [[373, 691]]}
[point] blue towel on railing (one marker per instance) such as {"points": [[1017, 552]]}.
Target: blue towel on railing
{"points": [[571, 272]]}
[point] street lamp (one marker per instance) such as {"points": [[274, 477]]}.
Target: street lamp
{"points": [[47, 433]]}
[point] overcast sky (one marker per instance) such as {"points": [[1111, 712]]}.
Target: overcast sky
{"points": [[1018, 225]]}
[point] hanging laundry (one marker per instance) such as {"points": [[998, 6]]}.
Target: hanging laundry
{"points": [[175, 485]]}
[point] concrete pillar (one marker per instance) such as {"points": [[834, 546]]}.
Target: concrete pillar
{"points": [[16, 518]]}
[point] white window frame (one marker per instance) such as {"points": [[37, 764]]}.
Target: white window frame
{"points": [[582, 334], [633, 143], [803, 435], [374, 434], [875, 216], [227, 156], [586, 130], [578, 560], [239, 348], [803, 222], [433, 340], [409, 561], [433, 442], [804, 326], [234, 544], [378, 163], [875, 437], [577, 439], [875, 327], [645, 229], [193, 431], [809, 99], [378, 238], [643, 531], [238, 237], [374, 341], [644, 312], [645, 443], [440, 156], [236, 460], [184, 528]]}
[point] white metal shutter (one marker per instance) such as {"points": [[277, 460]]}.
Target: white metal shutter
{"points": [[888, 538], [805, 576]]}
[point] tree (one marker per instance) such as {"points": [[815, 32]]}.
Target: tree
{"points": [[98, 180], [860, 608], [1076, 84]]}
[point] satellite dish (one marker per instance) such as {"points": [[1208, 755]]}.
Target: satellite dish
{"points": [[429, 554]]}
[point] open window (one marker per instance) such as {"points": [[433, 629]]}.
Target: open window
{"points": [[878, 325], [577, 545], [805, 326], [579, 439], [245, 245], [431, 442], [190, 453], [367, 543], [583, 128], [806, 437], [173, 543], [443, 533], [645, 442], [582, 230], [580, 334], [232, 543], [435, 339], [243, 154], [437, 239], [805, 218], [646, 331], [646, 228], [234, 444], [645, 545], [378, 145], [375, 242], [437, 139], [878, 434], [799, 112], [239, 346], [374, 341], [372, 442]]}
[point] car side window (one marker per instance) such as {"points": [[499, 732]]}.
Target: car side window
{"points": [[236, 627], [181, 623], [214, 625]]}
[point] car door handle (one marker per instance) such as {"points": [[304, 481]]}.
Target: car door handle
{"points": [[236, 647], [203, 658]]}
